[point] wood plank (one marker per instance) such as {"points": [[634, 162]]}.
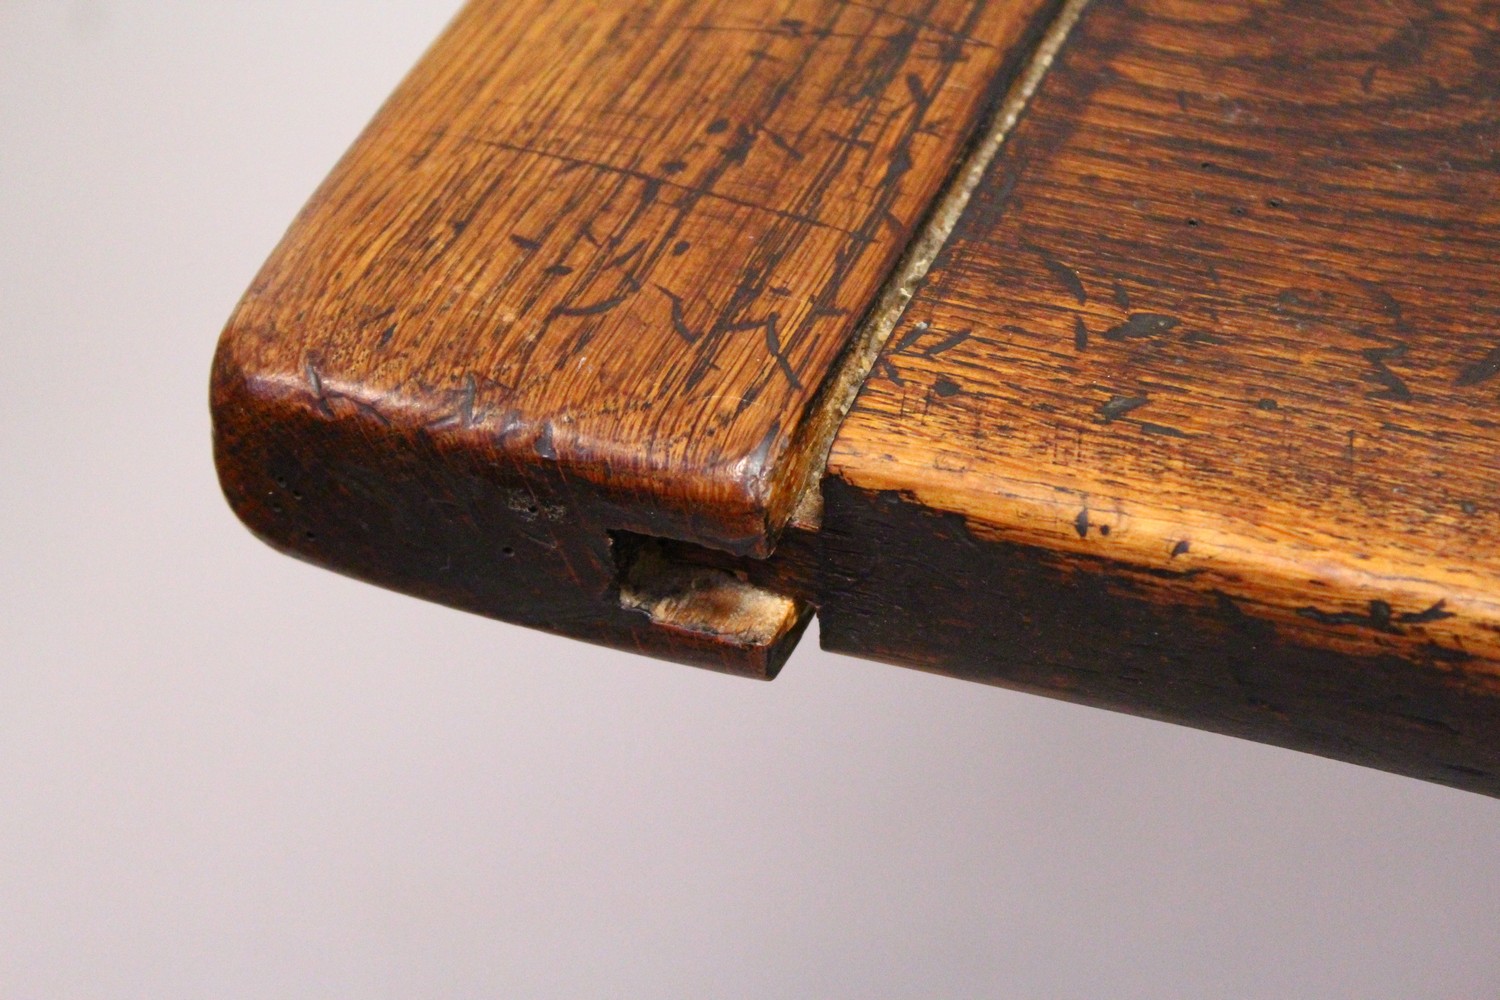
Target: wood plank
{"points": [[1196, 416], [585, 275]]}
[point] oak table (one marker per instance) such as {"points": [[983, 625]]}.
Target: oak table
{"points": [[1144, 353]]}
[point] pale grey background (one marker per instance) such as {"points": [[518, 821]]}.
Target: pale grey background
{"points": [[226, 774]]}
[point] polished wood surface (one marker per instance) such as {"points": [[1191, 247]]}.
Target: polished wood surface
{"points": [[585, 274], [628, 240], [1196, 414]]}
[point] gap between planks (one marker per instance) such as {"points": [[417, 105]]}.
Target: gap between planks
{"points": [[822, 426]]}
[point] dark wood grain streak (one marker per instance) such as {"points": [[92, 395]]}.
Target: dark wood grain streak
{"points": [[1196, 416], [599, 254]]}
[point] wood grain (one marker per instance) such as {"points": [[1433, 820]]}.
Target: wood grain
{"points": [[586, 273], [1196, 416], [1193, 417]]}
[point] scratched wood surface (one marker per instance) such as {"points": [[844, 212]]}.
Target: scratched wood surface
{"points": [[1198, 414], [586, 273], [626, 239]]}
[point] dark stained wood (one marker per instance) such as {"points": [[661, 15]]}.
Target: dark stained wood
{"points": [[585, 275], [1198, 414]]}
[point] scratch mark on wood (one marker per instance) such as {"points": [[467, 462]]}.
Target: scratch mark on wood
{"points": [[1118, 406], [1140, 325], [1065, 275], [1482, 370], [773, 344], [1432, 614], [1395, 389], [948, 343], [679, 318]]}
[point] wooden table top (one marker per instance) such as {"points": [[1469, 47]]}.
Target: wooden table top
{"points": [[1193, 415]]}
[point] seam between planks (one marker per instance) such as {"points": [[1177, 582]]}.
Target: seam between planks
{"points": [[854, 370]]}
